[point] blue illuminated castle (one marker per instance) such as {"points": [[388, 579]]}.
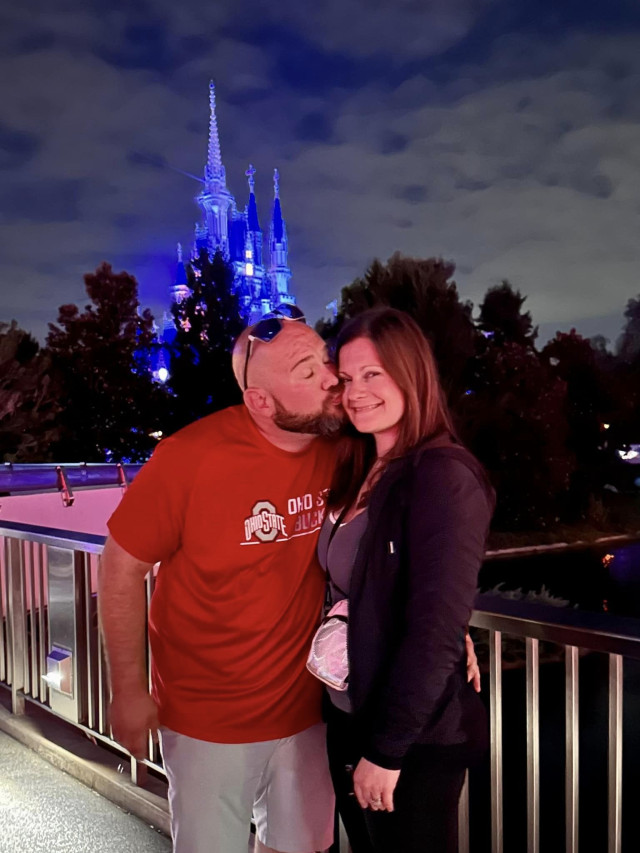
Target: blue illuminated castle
{"points": [[262, 272]]}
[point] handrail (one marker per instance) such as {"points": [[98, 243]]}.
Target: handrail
{"points": [[18, 478], [92, 543], [597, 632]]}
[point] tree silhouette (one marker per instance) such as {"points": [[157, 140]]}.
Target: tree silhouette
{"points": [[207, 324], [28, 402], [102, 358], [514, 420], [502, 318], [425, 289]]}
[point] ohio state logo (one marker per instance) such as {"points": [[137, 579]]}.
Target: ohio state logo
{"points": [[265, 523]]}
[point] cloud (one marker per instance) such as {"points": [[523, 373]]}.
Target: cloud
{"points": [[17, 147], [400, 129]]}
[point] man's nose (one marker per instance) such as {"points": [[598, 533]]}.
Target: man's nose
{"points": [[330, 379]]}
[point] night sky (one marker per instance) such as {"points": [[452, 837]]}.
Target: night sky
{"points": [[501, 134]]}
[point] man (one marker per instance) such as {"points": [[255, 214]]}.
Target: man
{"points": [[230, 507]]}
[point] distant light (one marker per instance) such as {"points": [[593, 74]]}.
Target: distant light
{"points": [[606, 426], [607, 560], [163, 374], [157, 434], [248, 270], [628, 455], [248, 254], [468, 392]]}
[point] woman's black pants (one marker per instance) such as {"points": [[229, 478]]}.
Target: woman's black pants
{"points": [[425, 816]]}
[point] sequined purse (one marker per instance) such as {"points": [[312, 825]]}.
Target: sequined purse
{"points": [[328, 659]]}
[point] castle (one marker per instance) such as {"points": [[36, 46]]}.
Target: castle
{"points": [[262, 272]]}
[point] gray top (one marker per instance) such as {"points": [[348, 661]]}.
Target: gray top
{"points": [[337, 560]]}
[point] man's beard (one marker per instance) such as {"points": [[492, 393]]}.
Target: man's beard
{"points": [[327, 422]]}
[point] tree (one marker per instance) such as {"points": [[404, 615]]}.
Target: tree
{"points": [[514, 421], [628, 347], [207, 323], [589, 404], [102, 355], [502, 318], [424, 289], [28, 403]]}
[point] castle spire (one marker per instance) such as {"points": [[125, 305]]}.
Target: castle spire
{"points": [[215, 170], [252, 208], [252, 181], [277, 222]]}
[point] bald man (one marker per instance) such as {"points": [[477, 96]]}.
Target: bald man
{"points": [[230, 507]]}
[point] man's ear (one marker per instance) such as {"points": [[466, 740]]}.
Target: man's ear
{"points": [[259, 402]]}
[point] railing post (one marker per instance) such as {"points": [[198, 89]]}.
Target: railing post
{"points": [[463, 817], [533, 747], [495, 699], [17, 633], [615, 754], [572, 748]]}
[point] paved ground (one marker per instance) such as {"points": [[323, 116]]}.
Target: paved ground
{"points": [[43, 810]]}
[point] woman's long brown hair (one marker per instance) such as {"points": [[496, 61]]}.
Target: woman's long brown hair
{"points": [[407, 357]]}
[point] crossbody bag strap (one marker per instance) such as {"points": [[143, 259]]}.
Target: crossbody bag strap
{"points": [[332, 583]]}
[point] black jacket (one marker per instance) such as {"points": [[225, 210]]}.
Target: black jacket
{"points": [[412, 591]]}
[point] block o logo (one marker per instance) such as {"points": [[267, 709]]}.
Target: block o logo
{"points": [[264, 522]]}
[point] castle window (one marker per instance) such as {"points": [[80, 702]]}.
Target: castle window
{"points": [[248, 269]]}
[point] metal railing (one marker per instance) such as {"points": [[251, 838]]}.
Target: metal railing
{"points": [[25, 644], [25, 639], [577, 633]]}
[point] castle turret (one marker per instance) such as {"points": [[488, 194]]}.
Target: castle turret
{"points": [[279, 272], [180, 288], [215, 199]]}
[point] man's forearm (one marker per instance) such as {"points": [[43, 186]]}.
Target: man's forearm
{"points": [[122, 609]]}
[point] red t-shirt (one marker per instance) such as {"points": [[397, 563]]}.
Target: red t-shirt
{"points": [[234, 523]]}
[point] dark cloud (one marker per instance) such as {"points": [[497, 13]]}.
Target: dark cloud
{"points": [[17, 147], [599, 186], [125, 221], [518, 123], [146, 158], [35, 41], [393, 143], [51, 200], [314, 127], [413, 193], [145, 45], [471, 185]]}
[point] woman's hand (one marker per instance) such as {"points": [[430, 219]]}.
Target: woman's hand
{"points": [[473, 670], [374, 786]]}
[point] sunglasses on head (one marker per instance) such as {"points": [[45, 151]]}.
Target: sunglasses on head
{"points": [[268, 327]]}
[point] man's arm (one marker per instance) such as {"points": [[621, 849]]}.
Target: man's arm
{"points": [[122, 608]]}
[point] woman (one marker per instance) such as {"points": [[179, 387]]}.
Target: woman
{"points": [[404, 538]]}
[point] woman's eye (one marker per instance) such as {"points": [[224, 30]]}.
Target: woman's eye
{"points": [[370, 374], [344, 380]]}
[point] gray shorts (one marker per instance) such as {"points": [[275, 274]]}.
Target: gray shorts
{"points": [[215, 789]]}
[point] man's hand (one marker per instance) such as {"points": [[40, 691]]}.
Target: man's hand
{"points": [[374, 786], [132, 717], [473, 670]]}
